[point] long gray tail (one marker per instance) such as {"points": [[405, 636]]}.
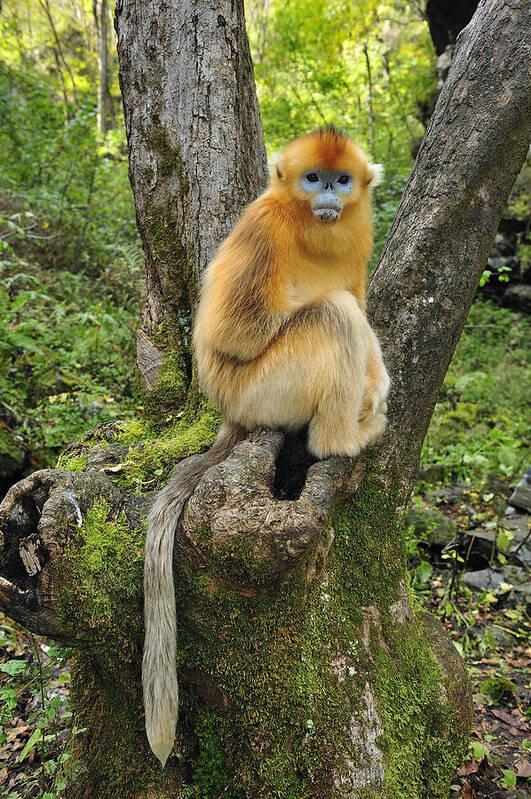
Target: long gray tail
{"points": [[159, 676]]}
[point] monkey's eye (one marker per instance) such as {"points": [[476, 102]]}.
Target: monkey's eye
{"points": [[343, 179], [312, 177]]}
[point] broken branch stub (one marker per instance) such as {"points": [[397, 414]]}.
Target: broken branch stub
{"points": [[37, 518], [234, 506]]}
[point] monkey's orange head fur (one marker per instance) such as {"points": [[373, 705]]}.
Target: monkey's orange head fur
{"points": [[327, 149]]}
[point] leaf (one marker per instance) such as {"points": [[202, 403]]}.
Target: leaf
{"points": [[13, 667], [479, 750], [424, 571], [469, 767], [523, 768], [509, 778], [506, 717], [30, 745]]}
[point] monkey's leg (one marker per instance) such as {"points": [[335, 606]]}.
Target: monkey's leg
{"points": [[334, 428], [312, 373]]}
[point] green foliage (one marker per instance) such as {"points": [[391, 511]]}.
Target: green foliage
{"points": [[35, 679], [496, 688], [481, 422], [311, 69], [66, 356], [70, 264], [73, 184]]}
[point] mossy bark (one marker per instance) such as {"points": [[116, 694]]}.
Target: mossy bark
{"points": [[196, 150], [306, 668]]}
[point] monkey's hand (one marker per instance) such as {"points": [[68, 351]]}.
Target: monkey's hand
{"points": [[376, 389], [377, 382]]}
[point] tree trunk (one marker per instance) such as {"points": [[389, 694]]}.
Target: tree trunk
{"points": [[102, 25], [196, 150], [306, 666]]}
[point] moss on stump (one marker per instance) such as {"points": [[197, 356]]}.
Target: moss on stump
{"points": [[323, 683]]}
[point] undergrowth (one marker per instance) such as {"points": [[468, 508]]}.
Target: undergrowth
{"points": [[480, 425]]}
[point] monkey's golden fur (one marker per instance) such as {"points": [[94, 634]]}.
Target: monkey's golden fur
{"points": [[281, 336], [282, 340]]}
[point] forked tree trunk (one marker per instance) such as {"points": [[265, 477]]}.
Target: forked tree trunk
{"points": [[306, 667]]}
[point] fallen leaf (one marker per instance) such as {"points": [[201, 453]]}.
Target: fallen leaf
{"points": [[506, 717], [467, 792], [16, 732], [522, 767], [468, 767]]}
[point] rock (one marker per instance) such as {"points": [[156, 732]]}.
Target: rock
{"points": [[519, 579], [518, 297], [519, 549], [433, 473], [483, 580], [479, 542], [491, 580], [496, 263], [432, 525], [519, 525], [447, 495], [521, 496]]}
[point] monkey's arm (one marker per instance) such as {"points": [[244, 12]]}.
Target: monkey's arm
{"points": [[240, 311]]}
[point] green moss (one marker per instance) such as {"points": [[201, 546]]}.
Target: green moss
{"points": [[167, 242], [212, 770], [101, 595], [105, 566], [267, 656], [76, 456], [368, 546], [272, 668], [168, 394], [72, 463], [153, 460], [423, 740]]}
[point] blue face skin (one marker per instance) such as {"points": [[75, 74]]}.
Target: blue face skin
{"points": [[327, 188]]}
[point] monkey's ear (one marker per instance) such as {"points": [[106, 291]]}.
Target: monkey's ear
{"points": [[375, 173], [276, 167]]}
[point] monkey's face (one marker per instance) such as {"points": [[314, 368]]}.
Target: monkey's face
{"points": [[326, 192], [325, 175]]}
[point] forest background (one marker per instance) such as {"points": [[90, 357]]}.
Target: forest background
{"points": [[72, 289]]}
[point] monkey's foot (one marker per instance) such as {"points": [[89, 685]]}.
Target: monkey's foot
{"points": [[328, 437], [372, 427]]}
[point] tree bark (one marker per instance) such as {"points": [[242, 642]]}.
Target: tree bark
{"points": [[306, 667], [196, 150], [102, 29]]}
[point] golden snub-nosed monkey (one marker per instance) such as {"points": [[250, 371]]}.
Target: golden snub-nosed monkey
{"points": [[281, 340]]}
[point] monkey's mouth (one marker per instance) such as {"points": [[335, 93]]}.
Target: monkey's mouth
{"points": [[326, 213]]}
